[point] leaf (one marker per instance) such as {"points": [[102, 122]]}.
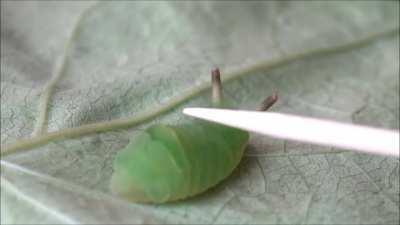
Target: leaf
{"points": [[97, 73]]}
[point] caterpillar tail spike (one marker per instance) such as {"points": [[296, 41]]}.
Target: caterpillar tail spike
{"points": [[268, 102]]}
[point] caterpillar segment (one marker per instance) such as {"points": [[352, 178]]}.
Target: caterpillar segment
{"points": [[168, 163]]}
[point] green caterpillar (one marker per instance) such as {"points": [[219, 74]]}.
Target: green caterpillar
{"points": [[167, 163]]}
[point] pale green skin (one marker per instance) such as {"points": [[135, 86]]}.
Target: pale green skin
{"points": [[168, 163]]}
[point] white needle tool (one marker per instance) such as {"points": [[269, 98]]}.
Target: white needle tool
{"points": [[305, 129]]}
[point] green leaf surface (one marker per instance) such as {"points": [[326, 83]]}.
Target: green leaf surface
{"points": [[125, 65]]}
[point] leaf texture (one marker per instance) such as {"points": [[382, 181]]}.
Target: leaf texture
{"points": [[117, 61]]}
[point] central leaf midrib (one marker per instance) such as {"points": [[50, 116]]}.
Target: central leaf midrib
{"points": [[145, 116]]}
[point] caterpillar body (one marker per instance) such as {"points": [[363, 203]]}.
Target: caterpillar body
{"points": [[172, 162]]}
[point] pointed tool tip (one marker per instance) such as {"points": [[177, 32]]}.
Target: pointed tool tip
{"points": [[196, 110], [188, 111], [203, 113]]}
